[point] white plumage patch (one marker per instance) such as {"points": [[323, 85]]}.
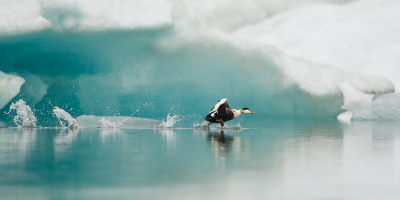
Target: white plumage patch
{"points": [[214, 111], [236, 113]]}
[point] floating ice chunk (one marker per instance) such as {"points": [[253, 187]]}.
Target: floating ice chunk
{"points": [[91, 121], [9, 87], [65, 118], [25, 116], [345, 117]]}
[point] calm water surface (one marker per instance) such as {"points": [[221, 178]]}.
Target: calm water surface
{"points": [[279, 160]]}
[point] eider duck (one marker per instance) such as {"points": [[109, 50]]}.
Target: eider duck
{"points": [[222, 113]]}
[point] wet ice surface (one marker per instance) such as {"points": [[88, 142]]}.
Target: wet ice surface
{"points": [[282, 160]]}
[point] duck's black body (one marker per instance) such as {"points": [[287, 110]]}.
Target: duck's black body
{"points": [[221, 111]]}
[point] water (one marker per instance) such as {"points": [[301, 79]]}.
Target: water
{"points": [[66, 120], [170, 121], [280, 159], [24, 117]]}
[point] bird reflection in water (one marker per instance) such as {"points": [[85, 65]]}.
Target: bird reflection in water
{"points": [[219, 141], [222, 144]]}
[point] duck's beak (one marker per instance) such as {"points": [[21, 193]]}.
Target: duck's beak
{"points": [[251, 112]]}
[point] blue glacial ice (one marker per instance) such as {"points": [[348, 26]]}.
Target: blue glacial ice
{"points": [[142, 59]]}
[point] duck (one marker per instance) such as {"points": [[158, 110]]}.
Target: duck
{"points": [[222, 113]]}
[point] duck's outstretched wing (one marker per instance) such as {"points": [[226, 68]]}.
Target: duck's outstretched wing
{"points": [[220, 107], [224, 107]]}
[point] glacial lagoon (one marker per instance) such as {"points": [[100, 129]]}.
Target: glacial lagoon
{"points": [[270, 159], [130, 81]]}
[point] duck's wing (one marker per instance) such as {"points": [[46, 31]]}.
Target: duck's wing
{"points": [[220, 107], [224, 107]]}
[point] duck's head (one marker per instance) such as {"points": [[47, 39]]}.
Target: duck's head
{"points": [[246, 111]]}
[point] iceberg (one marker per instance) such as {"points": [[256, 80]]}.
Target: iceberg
{"points": [[124, 58]]}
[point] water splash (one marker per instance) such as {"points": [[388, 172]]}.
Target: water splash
{"points": [[111, 125], [228, 127], [25, 116], [204, 125], [66, 120], [171, 120]]}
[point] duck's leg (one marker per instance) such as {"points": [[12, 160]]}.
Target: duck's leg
{"points": [[209, 124], [220, 121]]}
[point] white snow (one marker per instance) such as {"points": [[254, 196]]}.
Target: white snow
{"points": [[363, 36], [94, 15], [229, 15], [10, 86], [24, 16], [21, 16]]}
